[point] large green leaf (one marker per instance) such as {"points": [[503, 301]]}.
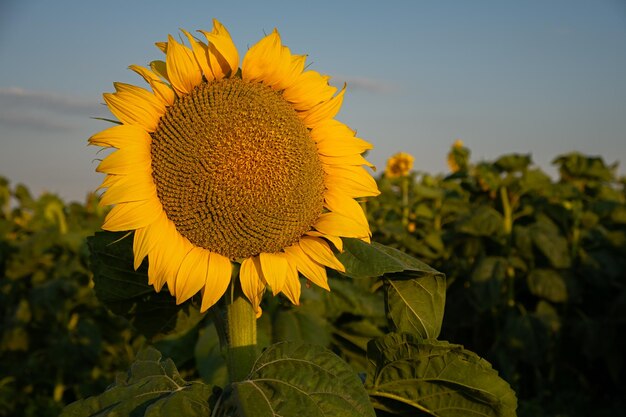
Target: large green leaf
{"points": [[416, 305], [363, 260], [295, 379], [410, 377], [127, 292], [548, 284], [152, 388]]}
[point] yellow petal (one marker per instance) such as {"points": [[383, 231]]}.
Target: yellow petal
{"points": [[313, 271], [332, 128], [271, 62], [223, 54], [346, 206], [143, 243], [323, 111], [192, 274], [335, 240], [160, 69], [353, 181], [291, 66], [251, 284], [292, 286], [141, 95], [133, 110], [126, 160], [132, 215], [217, 280], [355, 159], [167, 256], [320, 252], [162, 46], [201, 54], [274, 266], [336, 139], [309, 90], [129, 188], [182, 70], [120, 136], [338, 225], [161, 90], [260, 60]]}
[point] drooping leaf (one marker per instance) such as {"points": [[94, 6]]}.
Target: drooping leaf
{"points": [[152, 387], [416, 305], [300, 380], [409, 377], [126, 291], [363, 260]]}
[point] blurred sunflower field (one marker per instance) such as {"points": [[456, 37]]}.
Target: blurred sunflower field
{"points": [[530, 270]]}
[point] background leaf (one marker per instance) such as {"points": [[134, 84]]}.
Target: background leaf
{"points": [[411, 377]]}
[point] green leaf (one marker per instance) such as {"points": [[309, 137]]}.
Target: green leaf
{"points": [[152, 388], [577, 166], [482, 221], [127, 292], [548, 284], [416, 305], [363, 260], [210, 361], [546, 237], [487, 282], [298, 379], [302, 323], [434, 378], [513, 162]]}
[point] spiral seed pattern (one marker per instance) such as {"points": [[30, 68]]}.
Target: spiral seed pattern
{"points": [[236, 170]]}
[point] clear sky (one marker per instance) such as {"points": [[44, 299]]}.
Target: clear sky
{"points": [[539, 76]]}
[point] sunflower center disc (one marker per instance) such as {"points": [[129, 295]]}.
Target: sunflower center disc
{"points": [[236, 170]]}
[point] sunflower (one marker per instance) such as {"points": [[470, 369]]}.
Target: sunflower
{"points": [[399, 165], [221, 164]]}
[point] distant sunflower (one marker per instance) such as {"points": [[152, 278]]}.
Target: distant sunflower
{"points": [[399, 165], [221, 164]]}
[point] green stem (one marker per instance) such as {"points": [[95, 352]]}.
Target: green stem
{"points": [[437, 219], [405, 200], [506, 208], [241, 333]]}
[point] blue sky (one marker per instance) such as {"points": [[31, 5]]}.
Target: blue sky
{"points": [[540, 77]]}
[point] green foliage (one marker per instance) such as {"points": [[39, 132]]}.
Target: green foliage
{"points": [[533, 283], [151, 387], [297, 376], [411, 376], [535, 272], [58, 343], [298, 379], [127, 292]]}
